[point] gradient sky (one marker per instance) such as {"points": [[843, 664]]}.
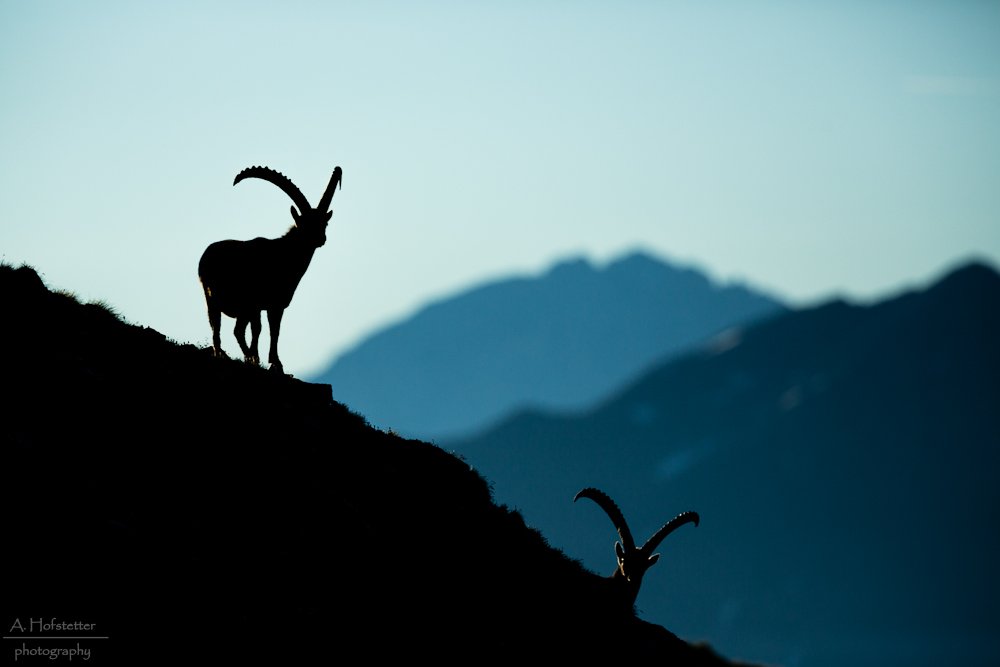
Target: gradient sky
{"points": [[809, 149]]}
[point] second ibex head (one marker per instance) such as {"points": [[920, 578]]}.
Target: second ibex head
{"points": [[633, 561]]}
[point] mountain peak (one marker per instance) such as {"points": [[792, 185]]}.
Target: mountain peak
{"points": [[561, 340], [570, 268], [970, 279]]}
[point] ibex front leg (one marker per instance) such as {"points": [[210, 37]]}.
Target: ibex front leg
{"points": [[254, 336], [274, 323], [249, 353]]}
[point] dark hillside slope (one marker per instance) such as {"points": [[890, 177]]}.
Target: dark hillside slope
{"points": [[845, 462], [191, 506]]}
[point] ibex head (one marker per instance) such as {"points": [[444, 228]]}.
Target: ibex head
{"points": [[632, 561], [311, 221]]}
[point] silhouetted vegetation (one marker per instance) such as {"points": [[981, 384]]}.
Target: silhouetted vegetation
{"points": [[201, 508]]}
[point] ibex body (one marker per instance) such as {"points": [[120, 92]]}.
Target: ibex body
{"points": [[242, 278], [632, 561]]}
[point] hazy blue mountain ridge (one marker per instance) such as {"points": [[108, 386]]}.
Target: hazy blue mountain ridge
{"points": [[562, 340], [844, 461]]}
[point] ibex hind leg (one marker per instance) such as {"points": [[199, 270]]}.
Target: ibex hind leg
{"points": [[241, 337], [215, 321], [255, 336]]}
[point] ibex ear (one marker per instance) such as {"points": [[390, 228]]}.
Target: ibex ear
{"points": [[329, 214], [619, 551], [652, 559], [295, 215]]}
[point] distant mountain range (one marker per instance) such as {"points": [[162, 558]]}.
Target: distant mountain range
{"points": [[845, 462], [562, 341]]}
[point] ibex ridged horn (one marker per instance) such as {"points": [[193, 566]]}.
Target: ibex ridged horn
{"points": [[612, 511], [281, 181], [687, 517], [335, 180]]}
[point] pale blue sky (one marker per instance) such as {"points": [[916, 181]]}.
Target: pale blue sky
{"points": [[809, 149]]}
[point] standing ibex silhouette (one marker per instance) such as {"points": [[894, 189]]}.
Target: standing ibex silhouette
{"points": [[242, 278]]}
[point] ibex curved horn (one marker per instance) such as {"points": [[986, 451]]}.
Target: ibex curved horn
{"points": [[687, 517], [335, 180], [282, 182], [612, 511]]}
